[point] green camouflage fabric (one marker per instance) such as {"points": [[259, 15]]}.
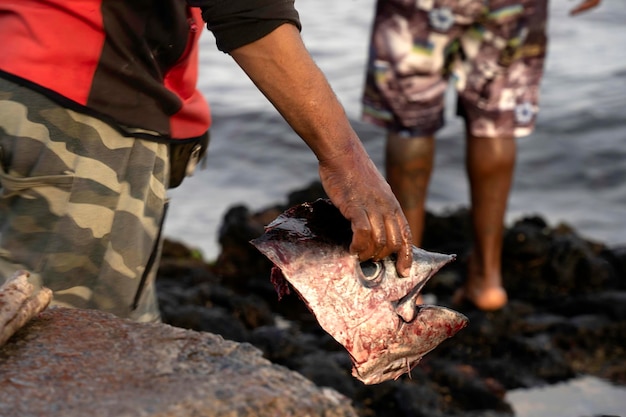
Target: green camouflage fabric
{"points": [[492, 50], [81, 206]]}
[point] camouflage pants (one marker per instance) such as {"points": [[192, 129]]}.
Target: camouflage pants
{"points": [[493, 50], [81, 206]]}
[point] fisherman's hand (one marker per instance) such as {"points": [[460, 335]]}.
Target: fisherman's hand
{"points": [[358, 190], [584, 6]]}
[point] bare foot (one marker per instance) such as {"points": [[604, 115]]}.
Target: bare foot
{"points": [[485, 299], [482, 288]]}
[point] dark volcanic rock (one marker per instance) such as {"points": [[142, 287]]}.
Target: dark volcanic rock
{"points": [[77, 363], [566, 315]]}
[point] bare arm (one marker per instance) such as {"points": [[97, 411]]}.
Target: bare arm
{"points": [[584, 6], [281, 67]]}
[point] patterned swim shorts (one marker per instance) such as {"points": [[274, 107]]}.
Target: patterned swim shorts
{"points": [[492, 50], [81, 205]]}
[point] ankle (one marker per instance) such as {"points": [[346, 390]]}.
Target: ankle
{"points": [[483, 275]]}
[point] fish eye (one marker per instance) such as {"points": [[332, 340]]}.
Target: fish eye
{"points": [[371, 273]]}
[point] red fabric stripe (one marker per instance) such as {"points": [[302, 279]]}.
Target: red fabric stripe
{"points": [[37, 51], [194, 118]]}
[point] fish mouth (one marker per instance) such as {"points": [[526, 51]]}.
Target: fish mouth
{"points": [[407, 307]]}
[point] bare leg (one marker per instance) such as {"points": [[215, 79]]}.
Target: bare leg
{"points": [[409, 163], [490, 167]]}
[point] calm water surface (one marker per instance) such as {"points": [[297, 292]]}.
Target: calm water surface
{"points": [[572, 169]]}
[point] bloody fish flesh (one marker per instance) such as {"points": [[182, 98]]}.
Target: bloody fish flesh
{"points": [[366, 306]]}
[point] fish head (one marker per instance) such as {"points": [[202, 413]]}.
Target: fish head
{"points": [[366, 306]]}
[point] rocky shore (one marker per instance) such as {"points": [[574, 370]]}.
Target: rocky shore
{"points": [[566, 316]]}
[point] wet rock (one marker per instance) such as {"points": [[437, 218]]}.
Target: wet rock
{"points": [[468, 389], [76, 363]]}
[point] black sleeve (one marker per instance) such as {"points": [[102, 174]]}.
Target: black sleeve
{"points": [[238, 22]]}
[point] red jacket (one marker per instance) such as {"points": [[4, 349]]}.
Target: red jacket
{"points": [[133, 62]]}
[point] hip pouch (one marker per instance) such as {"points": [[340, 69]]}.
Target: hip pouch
{"points": [[184, 158]]}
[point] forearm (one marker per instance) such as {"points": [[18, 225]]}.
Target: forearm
{"points": [[283, 70]]}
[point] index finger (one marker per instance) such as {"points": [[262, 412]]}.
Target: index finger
{"points": [[400, 242]]}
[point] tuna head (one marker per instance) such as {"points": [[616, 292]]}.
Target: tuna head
{"points": [[365, 306]]}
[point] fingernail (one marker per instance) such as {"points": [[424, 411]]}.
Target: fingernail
{"points": [[405, 272]]}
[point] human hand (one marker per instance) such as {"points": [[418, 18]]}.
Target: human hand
{"points": [[358, 190], [584, 6]]}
